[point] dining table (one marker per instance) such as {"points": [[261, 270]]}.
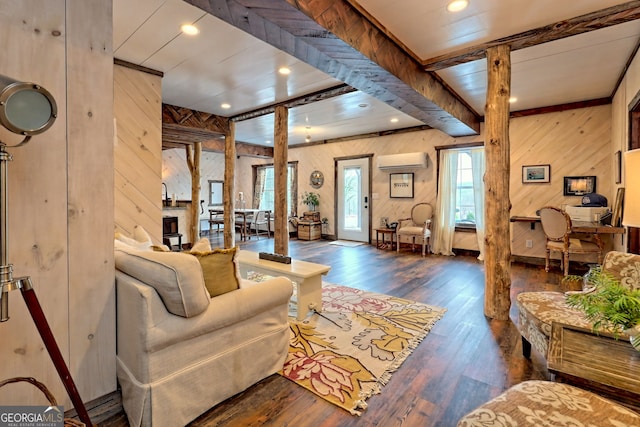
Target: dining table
{"points": [[244, 218]]}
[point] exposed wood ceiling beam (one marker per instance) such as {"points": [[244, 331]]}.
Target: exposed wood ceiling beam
{"points": [[320, 95], [183, 126], [581, 24], [335, 38]]}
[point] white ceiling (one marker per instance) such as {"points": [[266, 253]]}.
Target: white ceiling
{"points": [[225, 65]]}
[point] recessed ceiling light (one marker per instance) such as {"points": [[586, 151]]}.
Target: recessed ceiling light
{"points": [[225, 106], [513, 99], [285, 71], [394, 120], [268, 142], [308, 138], [190, 29], [457, 5]]}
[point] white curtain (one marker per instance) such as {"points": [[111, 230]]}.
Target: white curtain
{"points": [[478, 168], [445, 215], [258, 188]]}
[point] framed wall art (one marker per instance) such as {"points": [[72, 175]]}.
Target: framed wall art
{"points": [[401, 185], [536, 174], [579, 185]]}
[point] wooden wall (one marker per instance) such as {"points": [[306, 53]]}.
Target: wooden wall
{"points": [[138, 152], [61, 186], [575, 142]]}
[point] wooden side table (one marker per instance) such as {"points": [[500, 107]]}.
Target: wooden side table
{"points": [[391, 232]]}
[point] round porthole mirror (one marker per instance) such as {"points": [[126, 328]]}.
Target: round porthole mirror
{"points": [[316, 179]]}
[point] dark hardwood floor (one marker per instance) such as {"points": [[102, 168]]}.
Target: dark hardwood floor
{"points": [[465, 360]]}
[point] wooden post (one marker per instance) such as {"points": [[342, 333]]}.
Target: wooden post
{"points": [[497, 300], [229, 187], [194, 167], [280, 157]]}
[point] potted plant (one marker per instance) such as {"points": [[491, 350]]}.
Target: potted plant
{"points": [[311, 200], [608, 304]]}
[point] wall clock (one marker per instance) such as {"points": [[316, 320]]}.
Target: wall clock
{"points": [[316, 179]]}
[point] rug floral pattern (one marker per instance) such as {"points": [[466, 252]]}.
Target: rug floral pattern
{"points": [[348, 352]]}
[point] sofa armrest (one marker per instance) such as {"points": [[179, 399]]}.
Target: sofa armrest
{"points": [[145, 326]]}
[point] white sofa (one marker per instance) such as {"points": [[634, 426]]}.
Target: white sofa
{"points": [[180, 352]]}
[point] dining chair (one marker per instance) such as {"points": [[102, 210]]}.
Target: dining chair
{"points": [[215, 219], [261, 221], [556, 225], [419, 225]]}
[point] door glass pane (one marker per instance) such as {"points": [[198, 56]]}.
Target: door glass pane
{"points": [[352, 198]]}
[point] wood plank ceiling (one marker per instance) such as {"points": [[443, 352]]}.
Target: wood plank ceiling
{"points": [[416, 63]]}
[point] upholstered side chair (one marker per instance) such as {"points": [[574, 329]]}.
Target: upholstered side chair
{"points": [[419, 225], [556, 225]]}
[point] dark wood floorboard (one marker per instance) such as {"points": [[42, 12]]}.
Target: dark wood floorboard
{"points": [[466, 359]]}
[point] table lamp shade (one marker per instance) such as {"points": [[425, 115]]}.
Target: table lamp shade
{"points": [[631, 214]]}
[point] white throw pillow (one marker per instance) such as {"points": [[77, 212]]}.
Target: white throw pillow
{"points": [[177, 277]]}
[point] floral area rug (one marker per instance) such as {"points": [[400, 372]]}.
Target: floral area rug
{"points": [[346, 353]]}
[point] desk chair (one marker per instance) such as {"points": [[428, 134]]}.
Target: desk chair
{"points": [[419, 225], [556, 225]]}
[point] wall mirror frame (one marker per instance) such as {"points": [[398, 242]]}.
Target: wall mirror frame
{"points": [[316, 179]]}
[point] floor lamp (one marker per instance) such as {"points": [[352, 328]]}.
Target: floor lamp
{"points": [[28, 109]]}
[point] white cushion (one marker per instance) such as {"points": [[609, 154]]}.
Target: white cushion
{"points": [[177, 277]]}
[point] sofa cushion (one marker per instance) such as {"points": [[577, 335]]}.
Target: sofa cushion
{"points": [[220, 270], [624, 267], [177, 277]]}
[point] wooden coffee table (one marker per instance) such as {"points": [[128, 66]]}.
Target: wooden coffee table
{"points": [[307, 277]]}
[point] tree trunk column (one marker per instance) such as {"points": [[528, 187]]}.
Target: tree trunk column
{"points": [[229, 187], [193, 162], [280, 157], [497, 262]]}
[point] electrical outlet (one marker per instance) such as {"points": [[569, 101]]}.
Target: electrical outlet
{"points": [[529, 243]]}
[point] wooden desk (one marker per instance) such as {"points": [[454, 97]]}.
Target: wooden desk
{"points": [[305, 275], [576, 226], [385, 231], [244, 214]]}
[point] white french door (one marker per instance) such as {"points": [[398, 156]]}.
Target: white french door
{"points": [[353, 199]]}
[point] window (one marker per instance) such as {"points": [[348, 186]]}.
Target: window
{"points": [[460, 200], [216, 193], [465, 204], [264, 193]]}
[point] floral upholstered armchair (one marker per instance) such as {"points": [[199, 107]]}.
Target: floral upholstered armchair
{"points": [[538, 310]]}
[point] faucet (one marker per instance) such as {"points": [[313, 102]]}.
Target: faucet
{"points": [[166, 194]]}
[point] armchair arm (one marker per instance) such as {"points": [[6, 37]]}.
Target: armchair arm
{"points": [[401, 220]]}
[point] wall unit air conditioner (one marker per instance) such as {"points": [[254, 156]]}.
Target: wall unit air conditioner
{"points": [[403, 161]]}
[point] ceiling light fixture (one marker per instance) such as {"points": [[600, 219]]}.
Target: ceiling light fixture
{"points": [[513, 99], [190, 29], [285, 71], [457, 5], [394, 120], [225, 106]]}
